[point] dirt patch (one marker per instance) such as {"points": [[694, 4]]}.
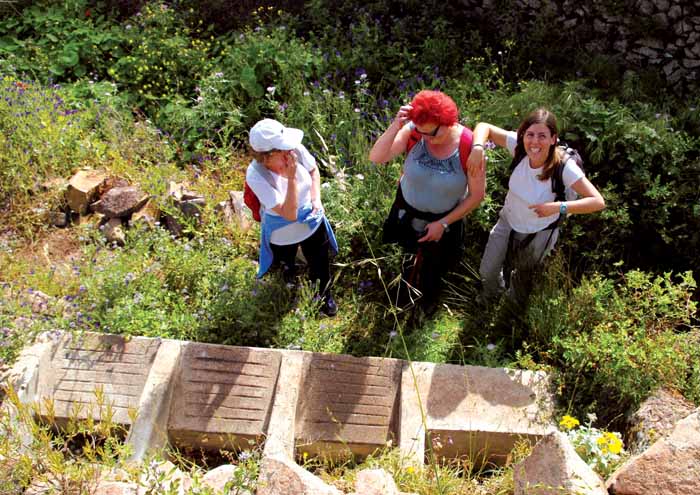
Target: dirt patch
{"points": [[53, 246]]}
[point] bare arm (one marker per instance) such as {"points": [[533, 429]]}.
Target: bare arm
{"points": [[590, 201], [316, 190], [484, 132], [476, 192], [394, 140], [288, 208]]}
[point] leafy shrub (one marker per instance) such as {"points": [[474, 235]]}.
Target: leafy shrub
{"points": [[60, 40], [163, 56], [34, 455], [43, 137], [624, 339]]}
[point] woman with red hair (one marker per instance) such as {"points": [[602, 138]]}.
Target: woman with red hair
{"points": [[435, 193]]}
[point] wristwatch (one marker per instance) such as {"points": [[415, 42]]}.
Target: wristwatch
{"points": [[562, 208], [444, 225]]}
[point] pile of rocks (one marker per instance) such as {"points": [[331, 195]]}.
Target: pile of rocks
{"points": [[113, 204]]}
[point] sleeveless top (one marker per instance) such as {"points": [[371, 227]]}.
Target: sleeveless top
{"points": [[431, 184]]}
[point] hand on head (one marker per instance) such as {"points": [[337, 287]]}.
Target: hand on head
{"points": [[403, 115], [290, 165]]}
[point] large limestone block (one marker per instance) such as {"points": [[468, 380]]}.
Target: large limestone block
{"points": [[347, 404], [82, 189], [671, 466], [280, 476], [554, 468], [472, 411], [223, 396], [84, 366]]}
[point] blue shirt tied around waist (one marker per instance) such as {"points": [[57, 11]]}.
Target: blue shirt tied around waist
{"points": [[270, 223]]}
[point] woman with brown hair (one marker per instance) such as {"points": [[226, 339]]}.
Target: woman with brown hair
{"points": [[528, 225]]}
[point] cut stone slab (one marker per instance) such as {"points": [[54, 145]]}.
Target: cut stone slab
{"points": [[150, 429], [348, 403], [83, 188], [82, 365], [554, 468], [671, 466], [472, 411], [223, 396], [279, 441]]}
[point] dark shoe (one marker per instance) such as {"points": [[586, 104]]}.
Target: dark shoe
{"points": [[329, 307]]}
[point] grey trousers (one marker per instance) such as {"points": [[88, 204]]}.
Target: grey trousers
{"points": [[492, 261]]}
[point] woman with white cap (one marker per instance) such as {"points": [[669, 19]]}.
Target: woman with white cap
{"points": [[284, 177]]}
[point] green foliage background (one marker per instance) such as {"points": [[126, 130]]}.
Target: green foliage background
{"points": [[156, 91]]}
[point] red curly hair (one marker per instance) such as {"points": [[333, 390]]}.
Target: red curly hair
{"points": [[433, 107]]}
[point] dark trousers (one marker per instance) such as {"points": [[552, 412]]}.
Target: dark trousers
{"points": [[316, 249], [433, 260]]}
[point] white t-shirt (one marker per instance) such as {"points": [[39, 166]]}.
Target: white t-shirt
{"points": [[525, 189], [269, 197]]}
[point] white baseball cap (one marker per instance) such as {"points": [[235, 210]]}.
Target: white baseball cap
{"points": [[268, 135]]}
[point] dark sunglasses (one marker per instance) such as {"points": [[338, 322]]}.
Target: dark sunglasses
{"points": [[431, 134]]}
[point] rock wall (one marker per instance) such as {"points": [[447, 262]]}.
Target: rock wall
{"points": [[661, 36]]}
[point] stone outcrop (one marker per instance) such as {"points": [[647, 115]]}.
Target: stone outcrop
{"points": [[375, 482], [656, 418], [660, 36], [670, 466], [217, 478], [554, 468], [116, 488], [279, 476], [113, 231]]}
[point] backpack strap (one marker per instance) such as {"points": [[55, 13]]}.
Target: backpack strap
{"points": [[558, 180], [413, 139], [465, 147]]}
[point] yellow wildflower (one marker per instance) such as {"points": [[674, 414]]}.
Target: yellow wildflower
{"points": [[610, 442], [569, 422]]}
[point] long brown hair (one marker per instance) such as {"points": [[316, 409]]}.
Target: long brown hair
{"points": [[554, 157]]}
